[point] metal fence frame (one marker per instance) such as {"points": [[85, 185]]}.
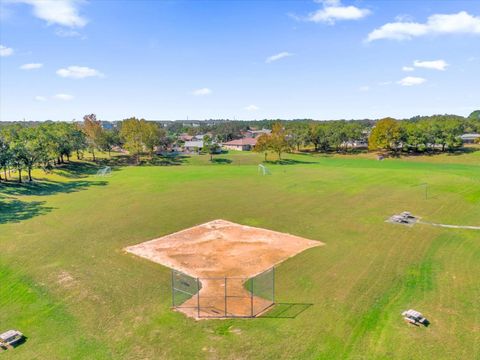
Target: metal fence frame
{"points": [[247, 283]]}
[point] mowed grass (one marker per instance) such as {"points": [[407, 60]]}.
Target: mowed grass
{"points": [[66, 283]]}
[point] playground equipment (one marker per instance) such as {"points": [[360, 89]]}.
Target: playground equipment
{"points": [[106, 171], [263, 170]]}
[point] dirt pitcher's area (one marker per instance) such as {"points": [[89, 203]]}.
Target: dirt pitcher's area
{"points": [[220, 249]]}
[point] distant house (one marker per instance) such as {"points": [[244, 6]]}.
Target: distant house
{"points": [[193, 146], [355, 144], [256, 133], [470, 138], [200, 136], [185, 137], [244, 144]]}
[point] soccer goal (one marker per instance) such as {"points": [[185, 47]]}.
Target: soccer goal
{"points": [[106, 171], [262, 169]]}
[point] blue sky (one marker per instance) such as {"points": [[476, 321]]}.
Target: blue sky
{"points": [[238, 59]]}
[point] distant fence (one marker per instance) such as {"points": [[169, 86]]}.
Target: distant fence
{"points": [[223, 297]]}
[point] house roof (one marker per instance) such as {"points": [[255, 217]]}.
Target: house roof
{"points": [[243, 141], [185, 137], [263, 131], [470, 136], [198, 143]]}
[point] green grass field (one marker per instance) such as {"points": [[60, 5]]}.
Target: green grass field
{"points": [[66, 283]]}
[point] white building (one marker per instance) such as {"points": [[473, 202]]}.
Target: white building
{"points": [[470, 138]]}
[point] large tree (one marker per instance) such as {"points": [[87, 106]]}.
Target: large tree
{"points": [[31, 147], [297, 134], [132, 134], [278, 140], [210, 147], [152, 135], [318, 136], [5, 156], [261, 145], [386, 135], [108, 140], [94, 131]]}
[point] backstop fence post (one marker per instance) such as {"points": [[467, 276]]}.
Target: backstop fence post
{"points": [[251, 298], [273, 285], [198, 297], [225, 296], [173, 290]]}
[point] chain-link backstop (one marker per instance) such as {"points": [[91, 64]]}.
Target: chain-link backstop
{"points": [[223, 297]]}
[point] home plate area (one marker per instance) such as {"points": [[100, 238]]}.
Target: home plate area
{"points": [[221, 269]]}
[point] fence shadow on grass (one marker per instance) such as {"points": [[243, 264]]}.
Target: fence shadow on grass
{"points": [[286, 310]]}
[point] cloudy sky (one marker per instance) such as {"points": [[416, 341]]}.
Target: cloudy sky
{"points": [[238, 59]]}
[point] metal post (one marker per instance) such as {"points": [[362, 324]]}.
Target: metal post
{"points": [[251, 298], [273, 287], [198, 297], [225, 296], [173, 290]]}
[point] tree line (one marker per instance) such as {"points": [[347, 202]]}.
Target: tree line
{"points": [[439, 133], [422, 134], [24, 147], [49, 144]]}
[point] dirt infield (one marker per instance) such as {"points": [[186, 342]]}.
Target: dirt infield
{"points": [[220, 249]]}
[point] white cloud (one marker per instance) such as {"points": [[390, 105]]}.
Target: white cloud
{"points": [[78, 72], [434, 64], [411, 81], [407, 68], [31, 66], [460, 23], [364, 88], [5, 51], [202, 92], [61, 12], [277, 57], [64, 97], [333, 11], [252, 108], [40, 98]]}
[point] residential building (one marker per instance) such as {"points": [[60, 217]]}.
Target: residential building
{"points": [[470, 138], [244, 144]]}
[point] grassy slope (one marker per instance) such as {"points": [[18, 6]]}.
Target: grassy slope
{"points": [[76, 295]]}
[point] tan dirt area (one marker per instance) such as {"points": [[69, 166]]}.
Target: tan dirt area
{"points": [[219, 249]]}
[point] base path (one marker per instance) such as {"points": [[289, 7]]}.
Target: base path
{"points": [[220, 249]]}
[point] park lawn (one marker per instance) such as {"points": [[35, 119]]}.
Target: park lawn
{"points": [[67, 284]]}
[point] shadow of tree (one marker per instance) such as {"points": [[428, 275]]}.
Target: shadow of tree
{"points": [[464, 150], [288, 162], [117, 161], [221, 161], [165, 160], [286, 310], [12, 211], [76, 169], [42, 188]]}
